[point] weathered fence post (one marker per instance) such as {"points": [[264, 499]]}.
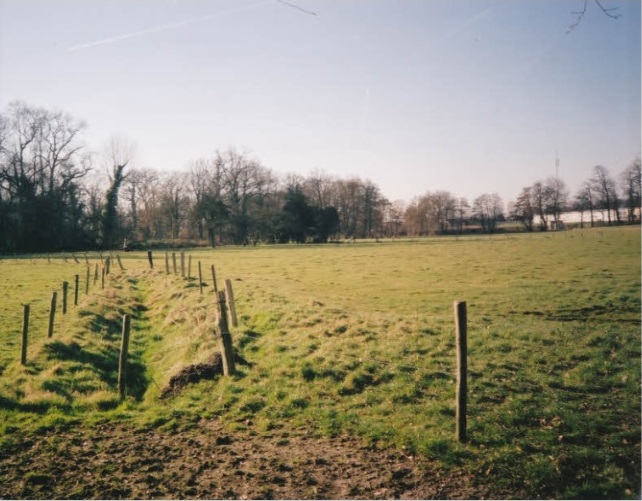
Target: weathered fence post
{"points": [[52, 314], [25, 334], [65, 288], [174, 261], [87, 280], [183, 264], [122, 359], [214, 279], [120, 263], [462, 369], [225, 338], [96, 274], [75, 258], [200, 277], [230, 301], [102, 278], [151, 259], [77, 280], [189, 266], [86, 259], [167, 263], [107, 265]]}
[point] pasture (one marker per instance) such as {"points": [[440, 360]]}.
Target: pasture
{"points": [[352, 341]]}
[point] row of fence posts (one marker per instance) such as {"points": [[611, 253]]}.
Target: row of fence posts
{"points": [[225, 337], [225, 302], [65, 293]]}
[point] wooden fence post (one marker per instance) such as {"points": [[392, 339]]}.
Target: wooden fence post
{"points": [[102, 278], [86, 259], [183, 264], [462, 368], [214, 279], [52, 314], [174, 261], [200, 277], [151, 259], [122, 359], [96, 274], [75, 258], [166, 263], [120, 263], [77, 280], [65, 288], [230, 302], [25, 334], [225, 338], [189, 266], [107, 265], [87, 280]]}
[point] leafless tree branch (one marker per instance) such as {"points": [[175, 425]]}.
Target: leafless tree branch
{"points": [[611, 12], [297, 7]]}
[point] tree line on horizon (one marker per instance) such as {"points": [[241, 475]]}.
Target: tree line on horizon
{"points": [[55, 196]]}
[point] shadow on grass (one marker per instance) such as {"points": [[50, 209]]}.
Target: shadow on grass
{"points": [[104, 364]]}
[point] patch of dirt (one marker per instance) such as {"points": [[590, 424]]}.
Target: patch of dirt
{"points": [[112, 461], [193, 374]]}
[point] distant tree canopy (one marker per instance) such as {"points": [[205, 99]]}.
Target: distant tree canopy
{"points": [[53, 199]]}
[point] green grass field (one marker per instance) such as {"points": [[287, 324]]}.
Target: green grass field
{"points": [[359, 338]]}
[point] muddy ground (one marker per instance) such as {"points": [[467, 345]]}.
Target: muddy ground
{"points": [[206, 461]]}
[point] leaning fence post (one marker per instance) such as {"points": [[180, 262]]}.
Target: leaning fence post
{"points": [[65, 288], [122, 359], [462, 367], [200, 277], [25, 333], [87, 280], [230, 301], [151, 259], [120, 263], [76, 290], [214, 279], [52, 314], [225, 338]]}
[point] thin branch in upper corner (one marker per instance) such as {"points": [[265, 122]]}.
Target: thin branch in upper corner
{"points": [[611, 12], [297, 7]]}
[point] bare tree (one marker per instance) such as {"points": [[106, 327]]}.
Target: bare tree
{"points": [[556, 198], [604, 187], [631, 182], [585, 200], [523, 209], [488, 208]]}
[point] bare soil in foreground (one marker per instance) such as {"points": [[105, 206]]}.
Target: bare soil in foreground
{"points": [[207, 461]]}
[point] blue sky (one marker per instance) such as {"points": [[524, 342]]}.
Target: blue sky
{"points": [[416, 95]]}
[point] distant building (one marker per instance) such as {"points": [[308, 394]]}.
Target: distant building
{"points": [[577, 218]]}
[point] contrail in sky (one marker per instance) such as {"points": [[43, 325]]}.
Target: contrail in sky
{"points": [[161, 28]]}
